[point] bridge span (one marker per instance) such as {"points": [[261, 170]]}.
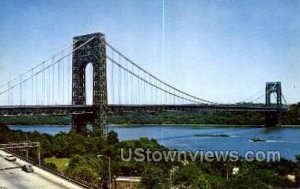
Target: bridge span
{"points": [[90, 109], [58, 86]]}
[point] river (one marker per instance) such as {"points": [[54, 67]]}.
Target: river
{"points": [[187, 137]]}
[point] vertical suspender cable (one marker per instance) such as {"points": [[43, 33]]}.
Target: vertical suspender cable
{"points": [[8, 94], [32, 87], [125, 87], [138, 88], [36, 89], [48, 86], [21, 90], [156, 93], [161, 94], [112, 80], [43, 84], [132, 86], [25, 93], [119, 83], [58, 82], [63, 80], [145, 94], [68, 78], [53, 81]]}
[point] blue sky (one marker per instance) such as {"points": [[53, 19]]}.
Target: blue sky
{"points": [[219, 50]]}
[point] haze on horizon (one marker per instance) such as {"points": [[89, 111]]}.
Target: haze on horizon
{"points": [[223, 51]]}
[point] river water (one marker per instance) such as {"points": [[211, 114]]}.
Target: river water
{"points": [[185, 137]]}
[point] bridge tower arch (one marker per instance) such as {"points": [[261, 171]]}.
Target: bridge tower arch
{"points": [[273, 119], [94, 52]]}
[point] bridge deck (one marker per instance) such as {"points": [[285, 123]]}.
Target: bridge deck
{"points": [[89, 109]]}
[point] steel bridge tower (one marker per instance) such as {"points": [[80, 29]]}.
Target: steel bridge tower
{"points": [[273, 119], [93, 52]]}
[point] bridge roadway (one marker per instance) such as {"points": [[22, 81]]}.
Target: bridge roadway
{"points": [[29, 110]]}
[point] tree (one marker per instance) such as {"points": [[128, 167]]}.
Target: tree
{"points": [[51, 166], [298, 158], [84, 173], [152, 177], [112, 137], [190, 176]]}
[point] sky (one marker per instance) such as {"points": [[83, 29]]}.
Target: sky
{"points": [[222, 50]]}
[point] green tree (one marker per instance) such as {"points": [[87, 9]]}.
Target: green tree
{"points": [[112, 137], [152, 177], [189, 176], [84, 173], [51, 166]]}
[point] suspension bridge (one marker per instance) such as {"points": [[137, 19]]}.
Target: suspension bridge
{"points": [[59, 85]]}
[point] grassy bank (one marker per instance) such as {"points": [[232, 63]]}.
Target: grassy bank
{"points": [[60, 163]]}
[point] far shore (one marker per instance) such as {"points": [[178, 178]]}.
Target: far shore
{"points": [[175, 125], [202, 125]]}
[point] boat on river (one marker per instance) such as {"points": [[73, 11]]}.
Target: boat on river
{"points": [[257, 139]]}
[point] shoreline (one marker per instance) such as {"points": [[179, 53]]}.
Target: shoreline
{"points": [[175, 125], [184, 124], [205, 125]]}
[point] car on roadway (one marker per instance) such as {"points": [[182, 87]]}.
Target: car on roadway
{"points": [[27, 168], [10, 157]]}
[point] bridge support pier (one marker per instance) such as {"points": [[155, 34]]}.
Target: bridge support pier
{"points": [[273, 118], [79, 123], [94, 52]]}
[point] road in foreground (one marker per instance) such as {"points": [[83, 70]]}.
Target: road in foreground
{"points": [[13, 177]]}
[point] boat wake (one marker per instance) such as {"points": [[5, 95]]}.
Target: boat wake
{"points": [[283, 141], [275, 141]]}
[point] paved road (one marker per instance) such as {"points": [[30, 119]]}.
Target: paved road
{"points": [[12, 177]]}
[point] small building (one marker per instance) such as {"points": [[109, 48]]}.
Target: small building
{"points": [[291, 177], [235, 170], [126, 182]]}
